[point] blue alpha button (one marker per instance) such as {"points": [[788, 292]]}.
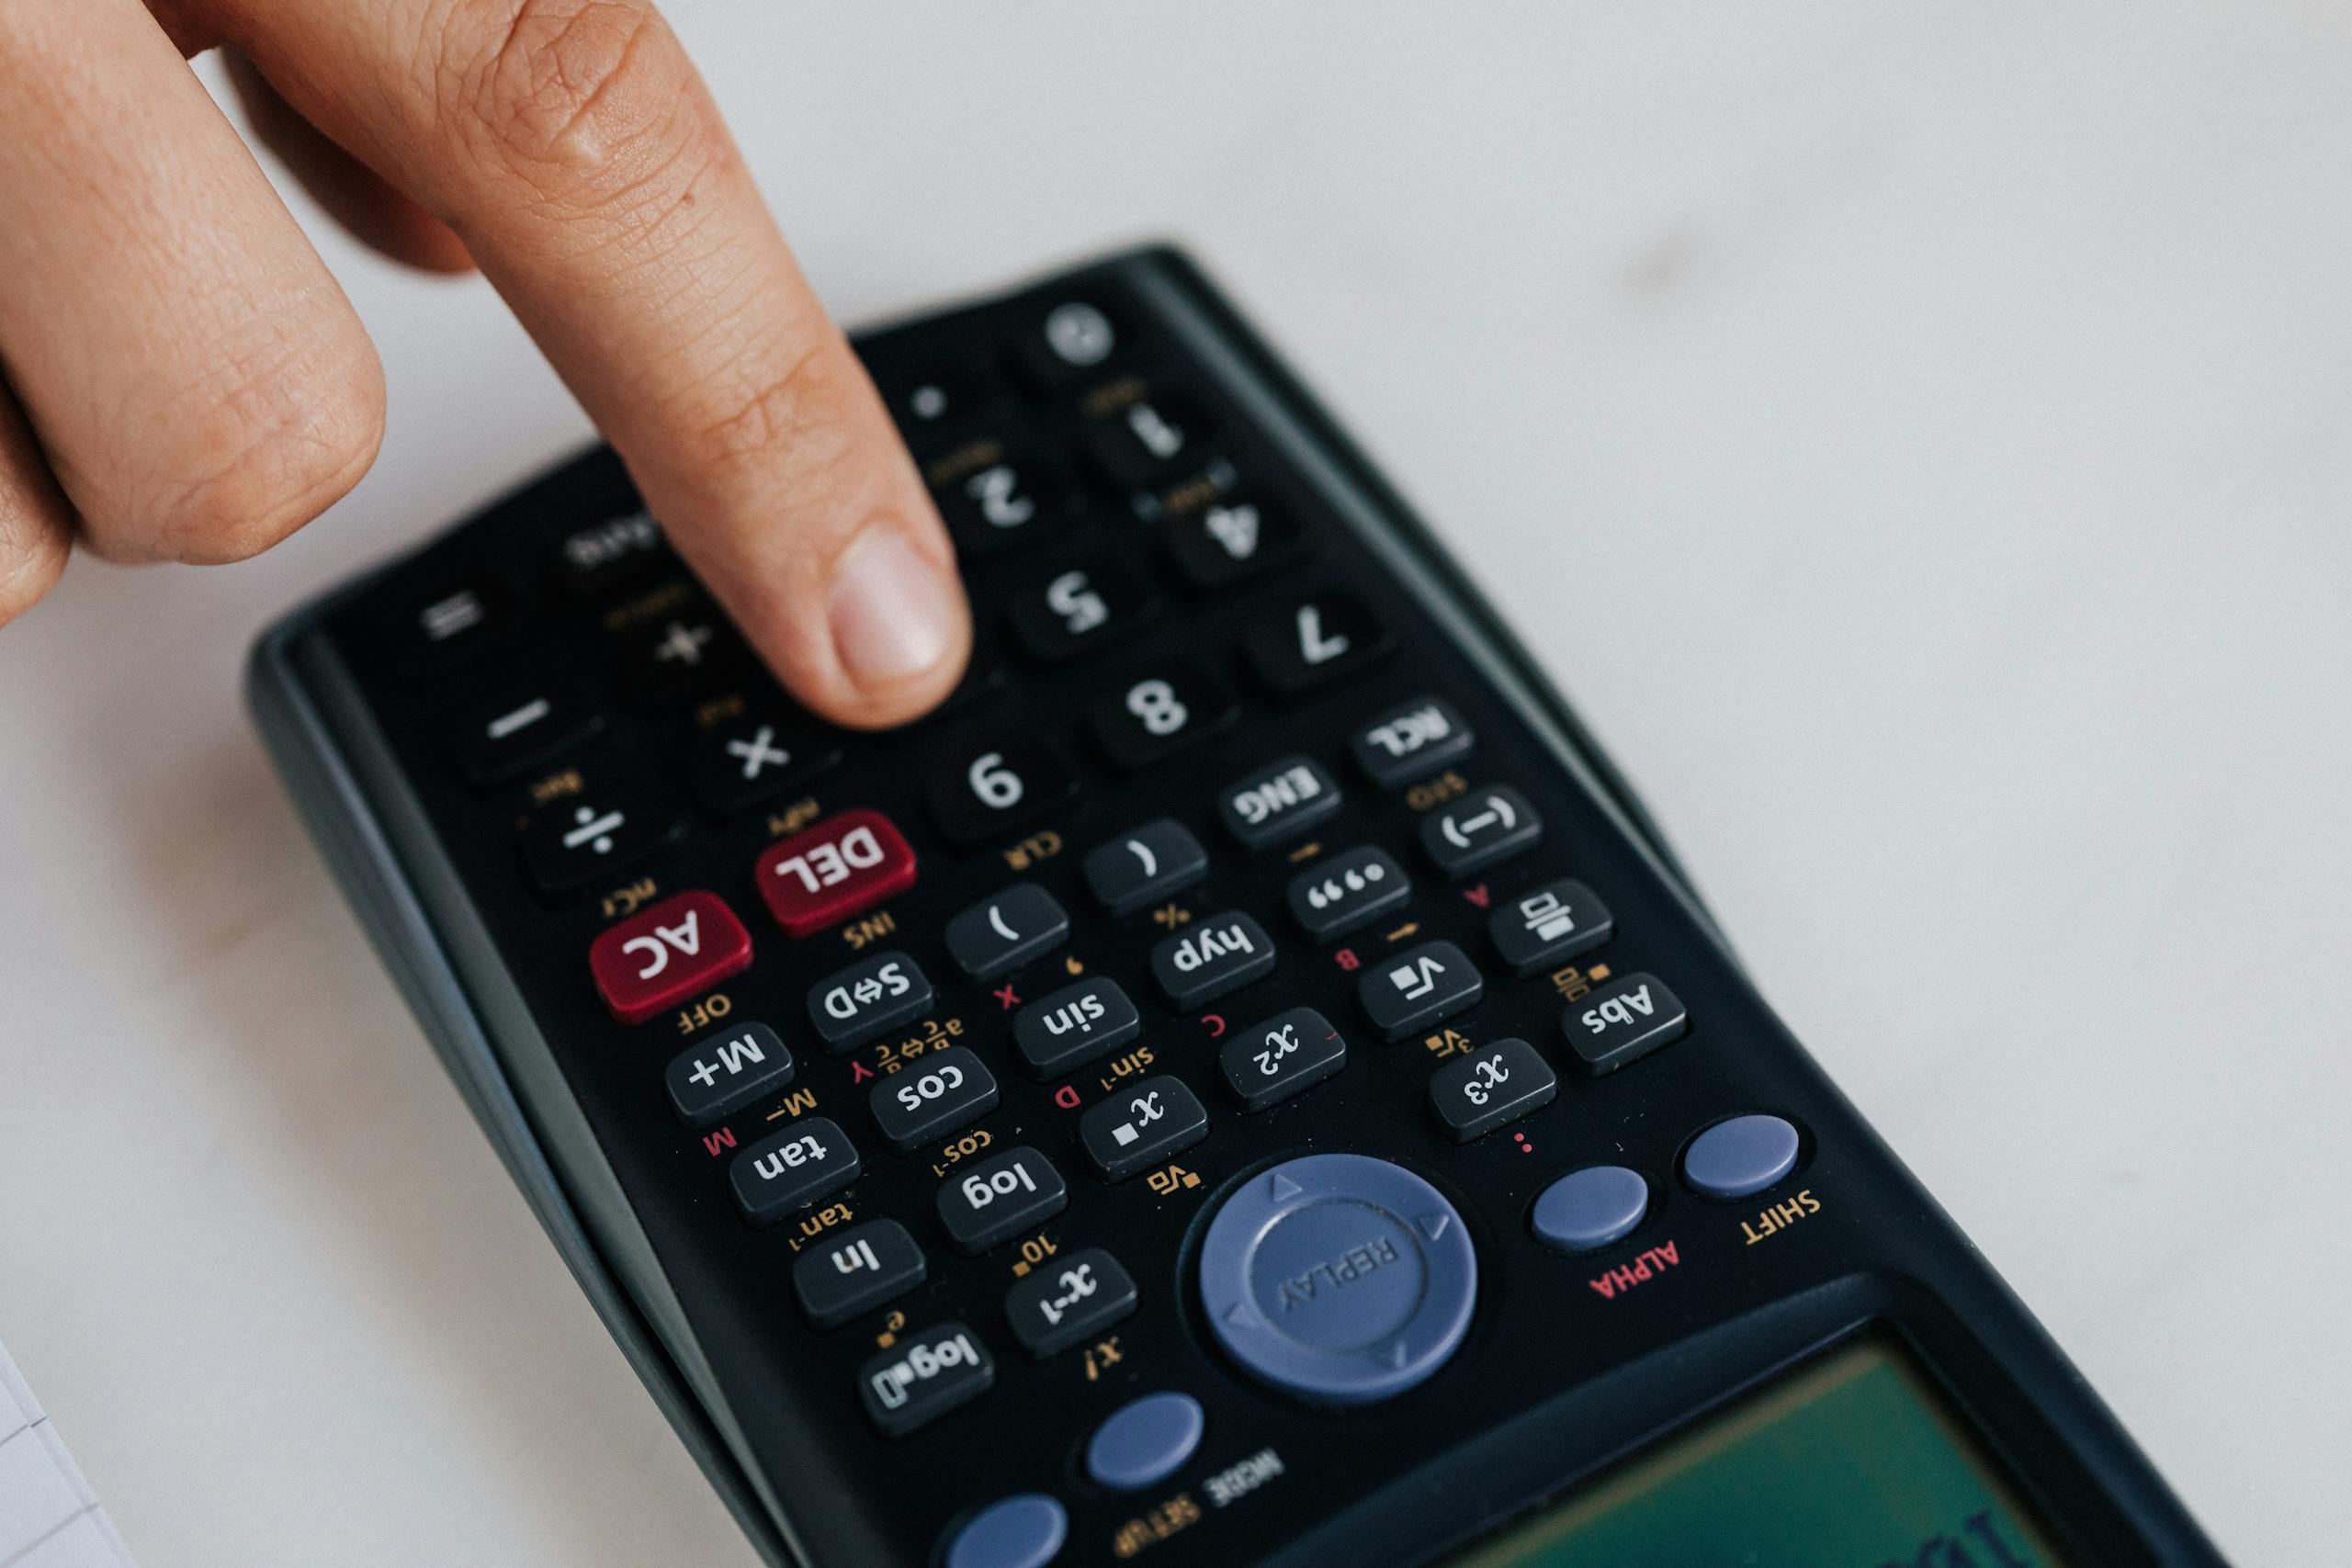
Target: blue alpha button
{"points": [[1341, 1278]]}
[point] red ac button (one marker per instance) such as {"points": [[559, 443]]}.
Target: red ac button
{"points": [[662, 954]]}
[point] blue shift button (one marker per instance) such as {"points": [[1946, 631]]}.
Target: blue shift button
{"points": [[1145, 1440], [1026, 1531], [1341, 1278], [1586, 1209], [1744, 1154]]}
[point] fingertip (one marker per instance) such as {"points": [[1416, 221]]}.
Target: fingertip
{"points": [[901, 628]]}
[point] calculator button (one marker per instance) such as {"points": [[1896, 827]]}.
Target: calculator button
{"points": [[852, 1006], [1070, 339], [999, 1198], [1622, 1021], [1482, 828], [934, 400], [1151, 437], [1077, 611], [843, 866], [1078, 1025], [1741, 1157], [999, 934], [1349, 890], [523, 726], [1586, 1210], [792, 1169], [1004, 503], [1144, 1123], [1218, 954], [753, 756], [1418, 987], [1277, 802], [1068, 1301], [1276, 1058], [1549, 925], [1491, 1087], [995, 787], [1339, 1277], [1229, 540], [677, 656], [1144, 1441], [1144, 865], [1026, 1531], [443, 630], [1159, 713], [931, 1097], [1307, 644], [923, 1377], [577, 840], [606, 556], [1410, 740], [720, 1075], [855, 1270]]}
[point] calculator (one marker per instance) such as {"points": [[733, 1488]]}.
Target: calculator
{"points": [[1245, 1082]]}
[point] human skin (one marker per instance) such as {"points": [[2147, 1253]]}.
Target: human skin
{"points": [[181, 378]]}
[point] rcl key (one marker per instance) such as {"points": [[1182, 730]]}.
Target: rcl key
{"points": [[843, 866], [659, 957]]}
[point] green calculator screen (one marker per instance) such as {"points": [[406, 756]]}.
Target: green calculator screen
{"points": [[1856, 1460]]}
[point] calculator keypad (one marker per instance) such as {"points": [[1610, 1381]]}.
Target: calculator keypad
{"points": [[1058, 963]]}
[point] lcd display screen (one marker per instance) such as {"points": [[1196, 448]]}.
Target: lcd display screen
{"points": [[1854, 1460]]}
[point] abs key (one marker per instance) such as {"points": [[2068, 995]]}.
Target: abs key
{"points": [[843, 866]]}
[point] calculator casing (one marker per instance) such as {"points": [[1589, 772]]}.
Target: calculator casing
{"points": [[1555, 1382]]}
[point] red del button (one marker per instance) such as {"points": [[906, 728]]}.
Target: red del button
{"points": [[661, 955], [824, 875]]}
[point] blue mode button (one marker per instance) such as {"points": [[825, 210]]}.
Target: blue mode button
{"points": [[1339, 1277]]}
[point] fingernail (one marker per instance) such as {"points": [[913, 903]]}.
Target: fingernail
{"points": [[893, 613]]}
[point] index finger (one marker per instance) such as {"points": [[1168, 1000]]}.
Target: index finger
{"points": [[574, 149]]}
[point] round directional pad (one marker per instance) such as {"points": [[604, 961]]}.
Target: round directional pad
{"points": [[1339, 1278]]}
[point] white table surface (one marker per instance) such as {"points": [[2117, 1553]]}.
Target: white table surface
{"points": [[1919, 438]]}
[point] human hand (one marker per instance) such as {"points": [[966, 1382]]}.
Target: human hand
{"points": [[182, 379]]}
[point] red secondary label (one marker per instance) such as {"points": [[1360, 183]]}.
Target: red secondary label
{"points": [[662, 954], [843, 865]]}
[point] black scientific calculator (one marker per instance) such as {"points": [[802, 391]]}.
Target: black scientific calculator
{"points": [[1244, 1083]]}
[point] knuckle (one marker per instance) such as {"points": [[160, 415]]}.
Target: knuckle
{"points": [[271, 457], [584, 100], [785, 418]]}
